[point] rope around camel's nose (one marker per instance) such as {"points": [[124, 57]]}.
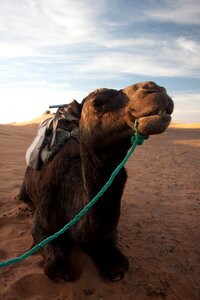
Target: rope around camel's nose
{"points": [[137, 139]]}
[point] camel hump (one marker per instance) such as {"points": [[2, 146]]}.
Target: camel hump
{"points": [[53, 133]]}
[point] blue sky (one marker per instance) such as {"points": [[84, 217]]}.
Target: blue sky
{"points": [[52, 51]]}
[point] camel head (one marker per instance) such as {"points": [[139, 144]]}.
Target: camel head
{"points": [[108, 115]]}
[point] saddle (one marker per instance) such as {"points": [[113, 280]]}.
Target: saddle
{"points": [[53, 133]]}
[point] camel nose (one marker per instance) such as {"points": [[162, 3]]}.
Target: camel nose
{"points": [[151, 87]]}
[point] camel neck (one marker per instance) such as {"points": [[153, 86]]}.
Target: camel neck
{"points": [[98, 165], [96, 169]]}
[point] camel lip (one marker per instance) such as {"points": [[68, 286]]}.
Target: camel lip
{"points": [[165, 111], [159, 111], [158, 116], [153, 111], [153, 124]]}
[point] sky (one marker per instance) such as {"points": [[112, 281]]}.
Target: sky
{"points": [[53, 51]]}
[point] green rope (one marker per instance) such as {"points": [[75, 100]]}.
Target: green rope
{"points": [[137, 139]]}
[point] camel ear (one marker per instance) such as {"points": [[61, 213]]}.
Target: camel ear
{"points": [[102, 98], [75, 109]]}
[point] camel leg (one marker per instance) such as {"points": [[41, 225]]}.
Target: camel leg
{"points": [[23, 196], [109, 259], [56, 254]]}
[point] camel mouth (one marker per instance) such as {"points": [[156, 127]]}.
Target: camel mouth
{"points": [[159, 112], [153, 109], [154, 123], [156, 117]]}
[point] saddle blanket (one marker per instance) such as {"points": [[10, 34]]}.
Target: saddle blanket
{"points": [[52, 135]]}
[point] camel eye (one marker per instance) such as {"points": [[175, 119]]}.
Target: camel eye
{"points": [[98, 103], [102, 99]]}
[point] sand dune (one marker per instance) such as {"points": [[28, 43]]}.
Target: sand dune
{"points": [[158, 231], [183, 125], [34, 122]]}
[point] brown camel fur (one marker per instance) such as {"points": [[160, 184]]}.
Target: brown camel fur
{"points": [[61, 189]]}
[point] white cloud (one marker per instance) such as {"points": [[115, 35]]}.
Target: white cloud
{"points": [[170, 59], [51, 30], [188, 45], [43, 28], [48, 22], [45, 42], [114, 43], [179, 11], [15, 50]]}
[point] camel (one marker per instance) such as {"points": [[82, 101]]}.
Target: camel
{"points": [[60, 189]]}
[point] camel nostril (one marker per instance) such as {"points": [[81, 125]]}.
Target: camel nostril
{"points": [[151, 87], [152, 91]]}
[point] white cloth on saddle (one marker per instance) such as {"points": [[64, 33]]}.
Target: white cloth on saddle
{"points": [[33, 152]]}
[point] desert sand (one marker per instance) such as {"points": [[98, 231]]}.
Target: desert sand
{"points": [[159, 229]]}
